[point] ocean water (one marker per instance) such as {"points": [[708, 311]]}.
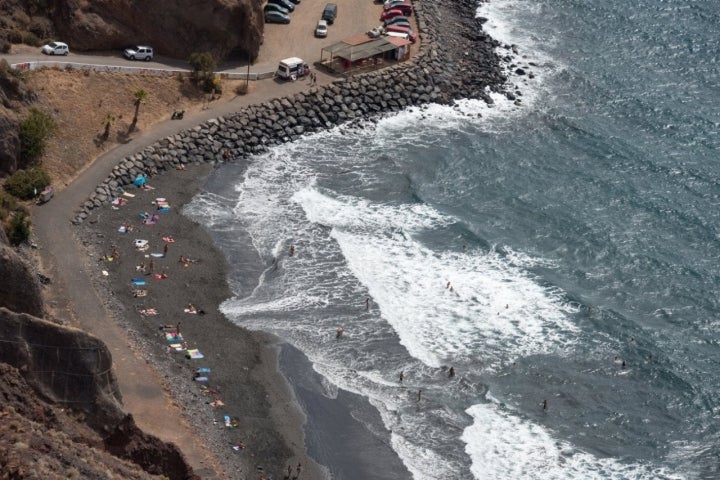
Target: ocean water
{"points": [[533, 248]]}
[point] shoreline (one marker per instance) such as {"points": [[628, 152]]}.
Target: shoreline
{"points": [[255, 389]]}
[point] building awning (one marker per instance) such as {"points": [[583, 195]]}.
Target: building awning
{"points": [[360, 51], [398, 42]]}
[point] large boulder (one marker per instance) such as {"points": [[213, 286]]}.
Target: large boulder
{"points": [[21, 290], [175, 28]]}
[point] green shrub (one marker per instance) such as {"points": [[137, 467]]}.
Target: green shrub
{"points": [[19, 229], [26, 184], [34, 132], [202, 70]]}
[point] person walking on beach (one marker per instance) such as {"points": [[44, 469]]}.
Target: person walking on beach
{"points": [[419, 394], [367, 304], [165, 249], [151, 266], [402, 376], [544, 404]]}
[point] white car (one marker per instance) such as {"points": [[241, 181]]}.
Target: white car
{"points": [[321, 30], [139, 52], [55, 48]]}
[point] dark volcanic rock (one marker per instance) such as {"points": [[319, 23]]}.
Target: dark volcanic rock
{"points": [[175, 28], [20, 290]]}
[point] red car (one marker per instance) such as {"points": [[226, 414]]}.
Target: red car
{"points": [[405, 7], [391, 13]]}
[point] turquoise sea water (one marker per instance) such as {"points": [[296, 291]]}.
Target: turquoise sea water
{"points": [[534, 249]]}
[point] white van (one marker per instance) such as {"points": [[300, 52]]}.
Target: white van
{"points": [[292, 68]]}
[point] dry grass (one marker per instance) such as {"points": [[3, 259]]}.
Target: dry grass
{"points": [[81, 101]]}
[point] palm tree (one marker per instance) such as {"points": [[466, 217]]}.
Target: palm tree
{"points": [[140, 96], [107, 121]]}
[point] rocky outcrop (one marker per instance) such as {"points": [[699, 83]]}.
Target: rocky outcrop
{"points": [[39, 440], [20, 290], [175, 28], [64, 367], [13, 94]]}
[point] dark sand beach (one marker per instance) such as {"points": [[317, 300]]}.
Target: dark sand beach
{"points": [[267, 422]]}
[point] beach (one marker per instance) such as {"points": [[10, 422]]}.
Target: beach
{"points": [[242, 365]]}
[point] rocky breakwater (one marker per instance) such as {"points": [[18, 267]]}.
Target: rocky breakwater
{"points": [[455, 60]]}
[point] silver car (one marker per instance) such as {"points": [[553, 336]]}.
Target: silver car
{"points": [[138, 52]]}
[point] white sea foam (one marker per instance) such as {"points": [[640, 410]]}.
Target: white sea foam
{"points": [[504, 446], [443, 305]]}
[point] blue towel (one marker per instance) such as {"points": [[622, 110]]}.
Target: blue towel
{"points": [[138, 281]]}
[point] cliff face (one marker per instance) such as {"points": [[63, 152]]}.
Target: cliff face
{"points": [[64, 367], [175, 28], [39, 440], [47, 371], [20, 291], [13, 94]]}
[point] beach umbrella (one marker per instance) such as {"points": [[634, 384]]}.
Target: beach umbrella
{"points": [[140, 181]]}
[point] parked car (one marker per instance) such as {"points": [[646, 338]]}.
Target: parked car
{"points": [[330, 13], [397, 21], [400, 29], [139, 52], [405, 7], [391, 13], [286, 4], [274, 7], [55, 48], [273, 16], [321, 30]]}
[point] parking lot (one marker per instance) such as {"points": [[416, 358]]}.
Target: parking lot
{"points": [[298, 40]]}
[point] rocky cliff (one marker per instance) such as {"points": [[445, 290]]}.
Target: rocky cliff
{"points": [[13, 94], [175, 28]]}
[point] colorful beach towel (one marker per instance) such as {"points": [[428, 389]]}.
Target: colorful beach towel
{"points": [[138, 281], [140, 243], [203, 370], [177, 346], [173, 337], [194, 354], [201, 379]]}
